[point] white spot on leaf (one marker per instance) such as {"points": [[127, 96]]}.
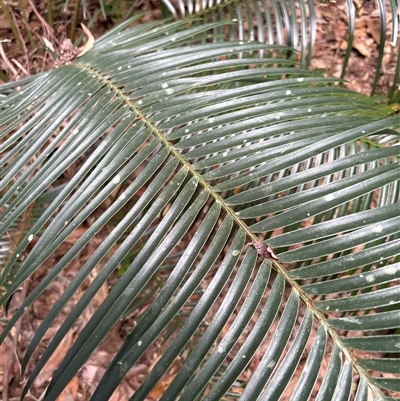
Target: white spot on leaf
{"points": [[164, 85], [288, 92], [169, 91], [329, 197], [116, 179], [352, 320], [377, 229], [391, 270]]}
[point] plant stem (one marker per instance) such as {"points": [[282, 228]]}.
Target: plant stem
{"points": [[50, 13], [75, 20], [12, 25]]}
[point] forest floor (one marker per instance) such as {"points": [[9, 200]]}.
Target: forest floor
{"points": [[328, 56]]}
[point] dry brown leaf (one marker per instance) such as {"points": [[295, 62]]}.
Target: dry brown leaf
{"points": [[360, 42], [160, 388], [90, 42], [374, 29], [339, 29], [358, 3], [48, 44], [51, 365], [359, 23], [70, 392], [6, 351], [101, 295], [89, 372]]}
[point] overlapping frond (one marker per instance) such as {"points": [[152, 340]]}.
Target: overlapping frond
{"points": [[208, 151], [293, 23], [288, 23]]}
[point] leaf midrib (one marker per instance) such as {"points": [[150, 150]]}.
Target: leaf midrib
{"points": [[220, 200]]}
